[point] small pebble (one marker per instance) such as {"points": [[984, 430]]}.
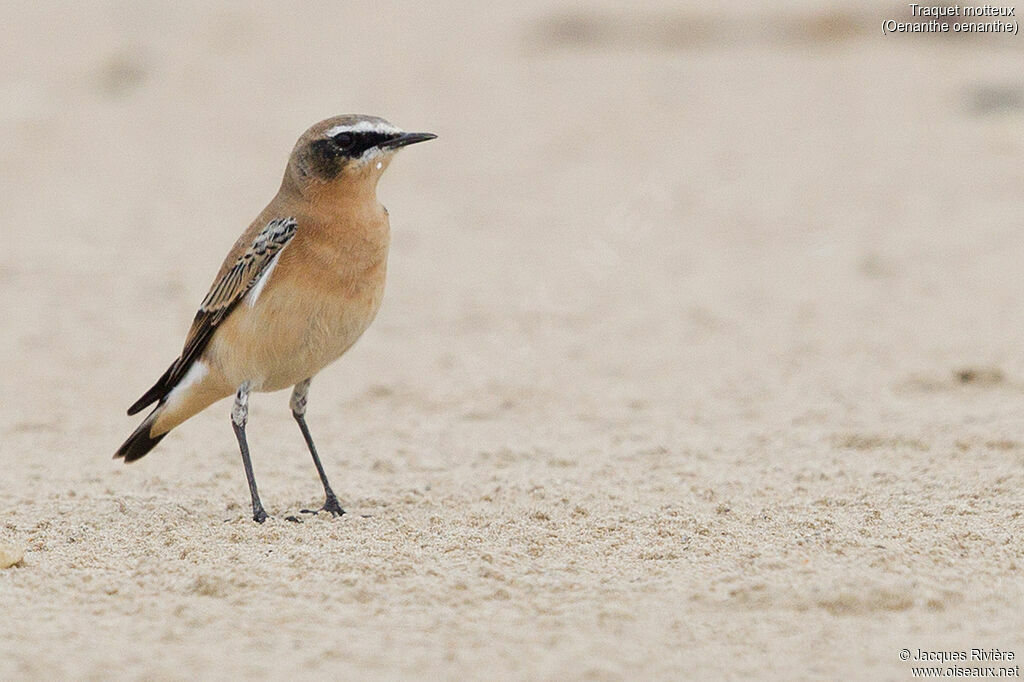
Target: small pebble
{"points": [[11, 555]]}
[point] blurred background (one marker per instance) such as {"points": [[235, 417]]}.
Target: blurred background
{"points": [[649, 175], [760, 264]]}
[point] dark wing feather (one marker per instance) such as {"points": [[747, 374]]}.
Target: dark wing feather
{"points": [[230, 287]]}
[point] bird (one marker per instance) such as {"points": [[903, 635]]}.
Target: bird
{"points": [[296, 291]]}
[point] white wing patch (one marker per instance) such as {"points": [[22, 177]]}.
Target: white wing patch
{"points": [[239, 280], [257, 288]]}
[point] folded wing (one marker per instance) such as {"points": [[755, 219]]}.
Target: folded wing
{"points": [[241, 271]]}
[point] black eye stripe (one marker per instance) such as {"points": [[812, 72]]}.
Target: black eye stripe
{"points": [[355, 143], [328, 156]]}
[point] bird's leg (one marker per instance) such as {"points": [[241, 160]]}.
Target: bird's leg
{"points": [[298, 405], [239, 417]]}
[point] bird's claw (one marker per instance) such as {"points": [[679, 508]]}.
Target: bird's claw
{"points": [[332, 507]]}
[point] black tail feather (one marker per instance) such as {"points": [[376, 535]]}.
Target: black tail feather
{"points": [[140, 442], [157, 392]]}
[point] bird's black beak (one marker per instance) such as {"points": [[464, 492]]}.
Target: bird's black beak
{"points": [[406, 139]]}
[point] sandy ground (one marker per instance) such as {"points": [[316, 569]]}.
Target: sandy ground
{"points": [[702, 354]]}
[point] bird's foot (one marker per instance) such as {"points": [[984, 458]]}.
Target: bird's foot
{"points": [[258, 515], [331, 506]]}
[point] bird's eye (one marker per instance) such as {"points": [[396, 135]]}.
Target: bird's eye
{"points": [[343, 140]]}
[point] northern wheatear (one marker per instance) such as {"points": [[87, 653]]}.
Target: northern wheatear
{"points": [[295, 292]]}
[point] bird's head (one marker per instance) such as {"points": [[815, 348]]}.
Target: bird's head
{"points": [[348, 150]]}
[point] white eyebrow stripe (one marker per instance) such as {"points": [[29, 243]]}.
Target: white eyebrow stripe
{"points": [[363, 127]]}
